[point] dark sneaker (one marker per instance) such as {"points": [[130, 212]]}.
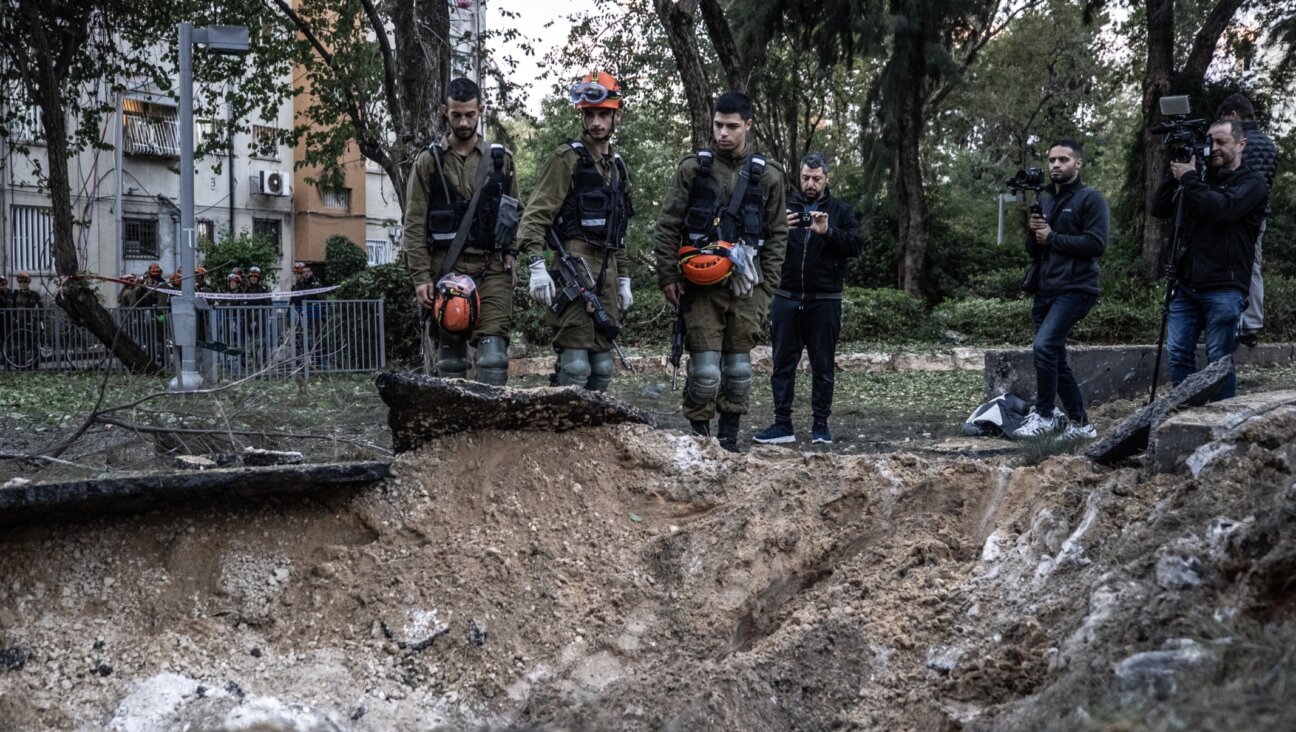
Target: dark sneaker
{"points": [[819, 434], [701, 428], [1248, 338], [775, 434]]}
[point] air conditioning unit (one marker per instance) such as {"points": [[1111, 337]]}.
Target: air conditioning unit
{"points": [[273, 183]]}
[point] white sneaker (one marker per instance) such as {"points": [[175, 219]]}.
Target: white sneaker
{"points": [[1075, 431], [1035, 425]]}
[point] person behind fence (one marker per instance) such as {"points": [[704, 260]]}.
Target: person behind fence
{"points": [[5, 294], [461, 207], [25, 296], [1259, 154], [149, 297], [129, 293], [807, 307], [1064, 240], [1224, 208], [720, 243], [582, 199], [200, 280]]}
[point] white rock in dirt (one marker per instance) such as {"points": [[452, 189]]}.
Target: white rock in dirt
{"points": [[16, 483], [1203, 456], [152, 704], [1178, 567], [1157, 674], [993, 550]]}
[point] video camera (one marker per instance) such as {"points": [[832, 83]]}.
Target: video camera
{"points": [[1186, 138], [1030, 179]]}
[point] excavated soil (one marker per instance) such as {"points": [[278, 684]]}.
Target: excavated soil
{"points": [[628, 578]]}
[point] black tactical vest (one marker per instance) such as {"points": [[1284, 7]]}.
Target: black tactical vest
{"points": [[708, 219], [595, 210], [446, 207]]}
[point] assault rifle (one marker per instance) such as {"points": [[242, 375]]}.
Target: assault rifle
{"points": [[576, 285], [678, 331]]}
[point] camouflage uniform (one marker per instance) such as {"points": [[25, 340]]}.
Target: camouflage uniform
{"points": [[573, 328], [716, 319], [491, 269]]}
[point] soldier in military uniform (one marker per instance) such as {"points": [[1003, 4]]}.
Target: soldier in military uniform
{"points": [[25, 297], [720, 242], [583, 195], [129, 294], [5, 293], [447, 217]]}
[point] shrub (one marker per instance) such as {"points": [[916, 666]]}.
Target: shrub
{"points": [[987, 321], [342, 259], [998, 284], [1280, 308], [244, 250], [391, 284], [884, 315], [1133, 316]]}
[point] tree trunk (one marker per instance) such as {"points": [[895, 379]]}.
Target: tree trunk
{"points": [[422, 31], [915, 222], [75, 296], [680, 22]]}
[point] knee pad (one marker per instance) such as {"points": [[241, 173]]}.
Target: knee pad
{"points": [[573, 367], [492, 360], [452, 360], [600, 377], [736, 376], [703, 381]]}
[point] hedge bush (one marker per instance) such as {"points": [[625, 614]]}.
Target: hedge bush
{"points": [[988, 322], [391, 284], [884, 315], [343, 259], [1279, 309]]}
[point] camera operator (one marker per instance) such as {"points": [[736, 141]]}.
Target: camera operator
{"points": [[823, 233], [1065, 240], [1223, 211], [1262, 155]]}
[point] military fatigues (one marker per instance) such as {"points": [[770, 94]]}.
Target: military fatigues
{"points": [[434, 207], [582, 219], [716, 319]]}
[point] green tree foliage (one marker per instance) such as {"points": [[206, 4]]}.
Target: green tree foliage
{"points": [[391, 284], [243, 251], [343, 258]]}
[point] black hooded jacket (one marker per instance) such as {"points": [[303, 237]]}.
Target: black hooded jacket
{"points": [[1222, 216], [816, 265], [1068, 259]]}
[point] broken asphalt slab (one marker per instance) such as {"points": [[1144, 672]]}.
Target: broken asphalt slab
{"points": [[1131, 436], [423, 408], [26, 502]]}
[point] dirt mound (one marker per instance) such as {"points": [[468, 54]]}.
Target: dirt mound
{"points": [[631, 578]]}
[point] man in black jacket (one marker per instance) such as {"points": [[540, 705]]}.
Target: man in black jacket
{"points": [[1223, 212], [806, 311], [1260, 154], [1065, 242]]}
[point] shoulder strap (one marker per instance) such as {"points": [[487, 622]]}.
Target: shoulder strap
{"points": [[461, 236], [753, 170], [438, 155], [622, 169], [706, 159], [586, 158]]}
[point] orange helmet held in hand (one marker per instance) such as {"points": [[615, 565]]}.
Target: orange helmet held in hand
{"points": [[598, 90], [456, 304], [706, 265]]}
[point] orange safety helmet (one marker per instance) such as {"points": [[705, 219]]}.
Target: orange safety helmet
{"points": [[177, 279], [456, 304], [598, 90], [200, 271], [155, 270], [705, 265]]}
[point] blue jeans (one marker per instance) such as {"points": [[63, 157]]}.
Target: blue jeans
{"points": [[1215, 311], [1054, 318]]}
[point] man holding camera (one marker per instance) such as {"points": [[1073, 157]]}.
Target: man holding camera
{"points": [[807, 307], [1222, 214], [1259, 154], [1066, 237]]}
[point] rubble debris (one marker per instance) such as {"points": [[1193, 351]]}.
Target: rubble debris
{"points": [[257, 457]]}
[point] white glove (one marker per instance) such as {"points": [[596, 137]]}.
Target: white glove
{"points": [[624, 298], [542, 285], [746, 275]]}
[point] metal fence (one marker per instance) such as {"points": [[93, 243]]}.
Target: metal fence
{"points": [[235, 341]]}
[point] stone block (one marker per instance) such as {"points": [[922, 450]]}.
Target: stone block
{"points": [[1107, 373], [1181, 434]]}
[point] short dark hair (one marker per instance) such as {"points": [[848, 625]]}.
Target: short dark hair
{"points": [[462, 89], [1075, 146], [814, 161], [1235, 127], [1236, 103], [734, 102]]}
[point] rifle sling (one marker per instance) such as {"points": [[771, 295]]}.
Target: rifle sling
{"points": [[461, 236]]}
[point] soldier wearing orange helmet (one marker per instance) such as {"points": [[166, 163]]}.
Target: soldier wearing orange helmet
{"points": [[583, 196], [720, 242]]}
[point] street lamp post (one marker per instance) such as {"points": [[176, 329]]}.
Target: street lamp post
{"points": [[222, 39]]}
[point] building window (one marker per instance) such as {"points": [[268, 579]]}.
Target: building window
{"points": [[379, 251], [336, 198], [206, 230], [150, 129], [212, 136], [268, 229], [24, 126], [265, 142], [33, 236], [140, 237]]}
